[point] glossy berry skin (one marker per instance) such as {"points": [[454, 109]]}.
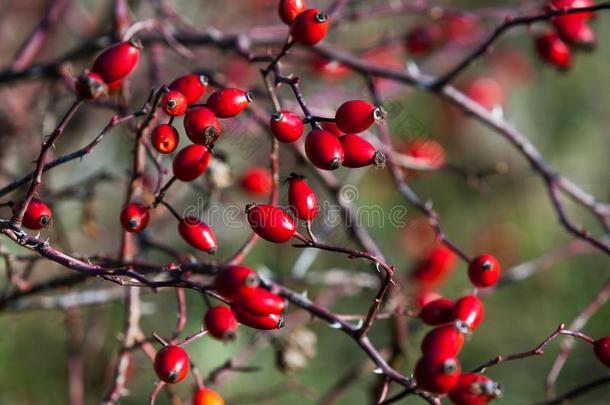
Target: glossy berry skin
{"points": [[201, 126], [286, 127], [164, 138], [437, 312], [553, 50], [227, 103], [37, 216], [232, 281], [256, 321], [437, 374], [484, 271], [359, 152], [271, 223], [601, 348], [197, 234], [356, 116], [135, 217], [324, 150], [260, 302], [302, 199], [220, 322], [90, 86], [191, 86], [309, 27], [290, 9], [423, 39], [257, 181], [172, 364], [206, 396], [580, 35], [445, 341], [475, 389], [117, 61], [191, 162], [174, 103], [468, 311]]}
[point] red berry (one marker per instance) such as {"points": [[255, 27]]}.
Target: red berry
{"points": [[332, 128], [553, 50], [437, 374], [428, 151], [329, 68], [191, 86], [309, 27], [262, 322], [487, 92], [164, 138], [356, 116], [475, 389], [191, 162], [197, 234], [271, 223], [37, 216], [290, 9], [468, 311], [260, 302], [286, 127], [174, 103], [570, 22], [117, 61], [433, 270], [444, 341], [220, 322], [423, 39], [424, 297], [437, 312], [172, 364], [232, 281], [324, 150], [459, 28], [601, 347], [302, 199], [201, 126], [257, 180], [206, 396], [227, 103], [360, 153], [90, 86], [484, 271], [135, 217]]}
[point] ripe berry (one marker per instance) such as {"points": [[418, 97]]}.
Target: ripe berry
{"points": [[324, 150], [468, 311], [206, 396], [484, 271], [286, 127], [220, 322], [174, 103], [437, 312], [570, 22], [90, 86], [232, 281], [260, 302], [191, 162], [424, 297], [437, 374], [309, 27], [271, 223], [423, 39], [580, 35], [117, 61], [444, 341], [37, 216], [191, 86], [427, 151], [258, 181], [601, 348], [432, 270], [332, 128], [290, 9], [227, 103], [475, 389], [360, 153], [201, 126], [197, 234], [302, 199], [487, 92], [164, 138], [329, 69], [135, 217], [553, 50], [262, 322], [356, 116], [172, 364]]}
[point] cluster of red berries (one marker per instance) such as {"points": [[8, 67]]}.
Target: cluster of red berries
{"points": [[307, 26]]}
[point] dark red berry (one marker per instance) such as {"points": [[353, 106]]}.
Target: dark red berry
{"points": [[201, 126], [117, 61], [437, 374], [37, 216], [435, 267], [302, 199], [324, 150], [356, 116], [174, 103], [220, 322], [191, 86], [191, 162], [172, 364], [468, 311], [553, 50], [444, 341], [271, 223], [258, 181], [164, 138], [260, 301], [309, 27], [286, 127], [360, 153], [290, 9], [232, 281], [437, 312], [601, 347], [135, 217], [227, 103], [90, 86], [484, 271], [423, 39], [197, 234], [206, 396], [475, 389], [262, 322]]}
